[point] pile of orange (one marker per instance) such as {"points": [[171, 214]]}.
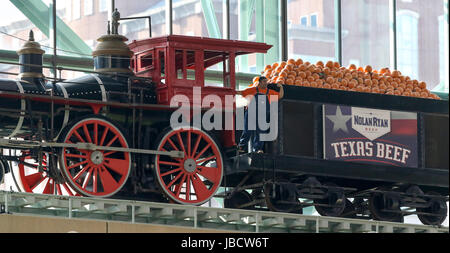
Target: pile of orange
{"points": [[333, 76]]}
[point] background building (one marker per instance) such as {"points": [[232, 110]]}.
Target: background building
{"points": [[421, 29]]}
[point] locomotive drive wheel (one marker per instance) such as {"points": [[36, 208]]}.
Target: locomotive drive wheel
{"points": [[438, 209], [95, 173], [336, 200], [34, 181], [195, 178], [385, 207]]}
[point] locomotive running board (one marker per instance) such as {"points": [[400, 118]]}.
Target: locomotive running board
{"points": [[22, 144]]}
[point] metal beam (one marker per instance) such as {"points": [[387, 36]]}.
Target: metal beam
{"points": [[393, 33], [226, 19], [338, 30], [284, 30], [38, 13], [169, 17], [211, 20]]}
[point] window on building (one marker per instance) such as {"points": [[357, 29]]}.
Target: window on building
{"points": [[88, 7], [103, 5], [314, 44], [365, 33], [304, 21], [408, 43], [313, 20], [76, 6]]}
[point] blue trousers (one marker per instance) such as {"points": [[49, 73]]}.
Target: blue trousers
{"points": [[253, 135]]}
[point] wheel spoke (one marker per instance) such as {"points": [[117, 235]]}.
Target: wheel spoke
{"points": [[87, 178], [206, 159], [96, 133], [180, 185], [209, 173], [94, 179], [199, 138], [58, 189], [112, 141], [77, 165], [76, 155], [188, 187], [200, 188], [189, 144], [86, 133], [49, 189], [69, 191], [203, 151], [119, 166], [180, 141], [109, 153], [169, 163], [170, 172], [81, 172], [172, 144], [103, 136], [78, 135], [174, 180]]}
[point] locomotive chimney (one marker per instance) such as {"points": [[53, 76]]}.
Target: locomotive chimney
{"points": [[112, 55], [30, 56]]}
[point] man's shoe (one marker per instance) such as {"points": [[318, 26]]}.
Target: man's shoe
{"points": [[260, 152]]}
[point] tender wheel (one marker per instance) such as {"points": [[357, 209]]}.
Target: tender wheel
{"points": [[282, 197], [238, 199], [336, 200], [96, 173], [383, 206], [437, 207], [44, 182], [195, 178]]}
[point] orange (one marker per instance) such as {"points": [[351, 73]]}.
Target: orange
{"points": [[330, 80], [298, 82], [302, 75], [335, 86], [368, 82], [352, 67], [336, 65], [310, 79], [320, 63], [283, 64], [368, 69], [422, 85], [329, 64], [306, 84], [307, 63], [291, 61]]}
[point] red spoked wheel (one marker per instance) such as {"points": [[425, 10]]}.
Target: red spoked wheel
{"points": [[195, 178], [98, 173], [44, 182]]}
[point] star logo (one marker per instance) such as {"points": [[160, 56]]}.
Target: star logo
{"points": [[339, 120]]}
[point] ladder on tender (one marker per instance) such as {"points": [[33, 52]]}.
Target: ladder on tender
{"points": [[140, 212]]}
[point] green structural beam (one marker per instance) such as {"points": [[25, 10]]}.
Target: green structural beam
{"points": [[38, 13], [211, 20]]}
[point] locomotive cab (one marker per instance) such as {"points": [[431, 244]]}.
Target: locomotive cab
{"points": [[177, 64]]}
